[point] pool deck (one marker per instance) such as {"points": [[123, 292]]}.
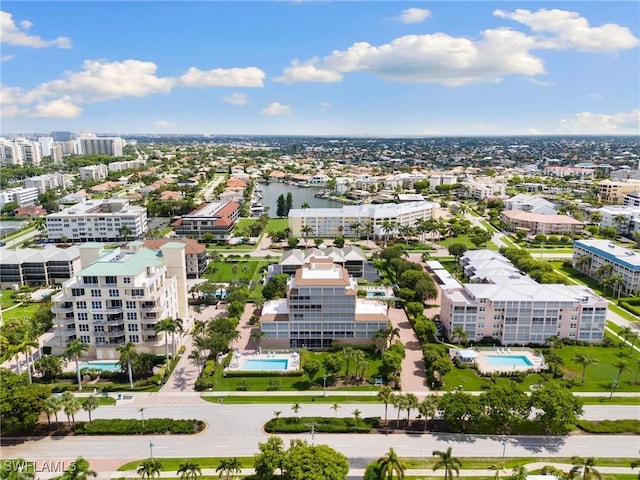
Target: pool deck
{"points": [[239, 358], [537, 362]]}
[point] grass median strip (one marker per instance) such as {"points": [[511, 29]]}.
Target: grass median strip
{"points": [[290, 399]]}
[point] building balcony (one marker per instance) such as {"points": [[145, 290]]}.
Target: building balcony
{"points": [[61, 309], [108, 311]]}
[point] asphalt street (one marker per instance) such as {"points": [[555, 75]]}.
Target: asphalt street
{"points": [[235, 430]]}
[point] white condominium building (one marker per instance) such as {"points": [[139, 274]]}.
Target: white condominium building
{"points": [[119, 296], [23, 196], [602, 258], [98, 221], [335, 222], [322, 306], [19, 151], [43, 183], [125, 165], [100, 146], [94, 172]]}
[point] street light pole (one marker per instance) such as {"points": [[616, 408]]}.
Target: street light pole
{"points": [[504, 449], [313, 433], [324, 386], [151, 449], [613, 385]]}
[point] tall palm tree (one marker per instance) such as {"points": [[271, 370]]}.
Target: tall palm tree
{"points": [[141, 410], [80, 470], [587, 466], [519, 472], [428, 408], [25, 346], [498, 467], [306, 231], [357, 415], [335, 408], [70, 406], [390, 464], [583, 263], [166, 326], [128, 353], [149, 468], [189, 470], [585, 360], [89, 404], [459, 333], [229, 467], [257, 335], [411, 402], [296, 409], [385, 394], [621, 366], [632, 338], [51, 407], [347, 353], [75, 349], [448, 462]]}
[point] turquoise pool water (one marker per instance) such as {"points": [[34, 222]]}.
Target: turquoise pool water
{"points": [[259, 365], [109, 366], [508, 361]]}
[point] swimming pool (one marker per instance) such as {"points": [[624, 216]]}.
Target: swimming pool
{"points": [[264, 364], [109, 366], [508, 361]]}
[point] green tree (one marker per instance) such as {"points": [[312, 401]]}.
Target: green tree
{"points": [[519, 472], [269, 458], [281, 210], [189, 471], [459, 333], [498, 468], [70, 405], [229, 467], [391, 465], [428, 408], [621, 366], [128, 355], [457, 250], [78, 470], [304, 461], [584, 360], [332, 364], [505, 405], [385, 395], [458, 408], [149, 468], [52, 406], [166, 325], [335, 408], [296, 409], [289, 203], [75, 349], [311, 367], [89, 404], [585, 468], [448, 462], [49, 367], [18, 469], [20, 403], [557, 407]]}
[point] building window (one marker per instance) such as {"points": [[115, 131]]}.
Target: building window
{"points": [[96, 293], [127, 280], [87, 339], [83, 327], [130, 305], [98, 317], [77, 292], [134, 338], [114, 293], [110, 280], [132, 327], [96, 304], [132, 315], [83, 316], [81, 305], [98, 328], [90, 280], [137, 292]]}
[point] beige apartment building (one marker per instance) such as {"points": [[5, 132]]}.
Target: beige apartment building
{"points": [[119, 296], [611, 192]]}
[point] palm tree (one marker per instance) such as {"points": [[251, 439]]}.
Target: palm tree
{"points": [[335, 408], [586, 465], [622, 366], [75, 349], [70, 406], [296, 408], [306, 231], [498, 467], [89, 404], [357, 415], [257, 335], [448, 462], [228, 467], [459, 333], [149, 468], [585, 360], [519, 473], [390, 464], [79, 470], [19, 469], [411, 402], [277, 414], [25, 346], [583, 263], [380, 339], [603, 270], [166, 326], [347, 353], [51, 407], [189, 470], [385, 394], [128, 353], [632, 338], [141, 411], [427, 409]]}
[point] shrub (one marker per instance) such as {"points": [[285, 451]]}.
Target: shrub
{"points": [[129, 426], [610, 426], [284, 373], [203, 384], [322, 425]]}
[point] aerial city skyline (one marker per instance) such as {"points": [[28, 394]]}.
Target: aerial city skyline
{"points": [[316, 68]]}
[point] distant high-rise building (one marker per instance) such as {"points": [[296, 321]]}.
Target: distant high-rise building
{"points": [[100, 146], [46, 143], [19, 151], [61, 136], [10, 154]]}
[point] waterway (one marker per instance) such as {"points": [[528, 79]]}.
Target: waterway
{"points": [[272, 190]]}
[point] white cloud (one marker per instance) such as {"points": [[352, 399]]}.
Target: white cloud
{"points": [[61, 108], [236, 98], [414, 15], [541, 83], [6, 58], [276, 108], [570, 30], [12, 34], [164, 124], [324, 106], [221, 77], [100, 81], [587, 123], [307, 72]]}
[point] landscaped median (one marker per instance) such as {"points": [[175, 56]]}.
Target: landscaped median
{"points": [[321, 425]]}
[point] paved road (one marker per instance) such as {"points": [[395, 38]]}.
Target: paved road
{"points": [[235, 430]]}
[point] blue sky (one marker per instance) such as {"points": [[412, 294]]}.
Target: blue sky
{"points": [[321, 68]]}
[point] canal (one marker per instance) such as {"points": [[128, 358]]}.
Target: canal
{"points": [[272, 190]]}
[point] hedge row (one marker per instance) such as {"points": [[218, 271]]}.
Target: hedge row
{"points": [[631, 308], [610, 426], [129, 426], [322, 425]]}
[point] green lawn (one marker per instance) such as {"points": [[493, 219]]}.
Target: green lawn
{"points": [[276, 225], [226, 271], [243, 223], [25, 310], [172, 464], [5, 299], [464, 239], [291, 399]]}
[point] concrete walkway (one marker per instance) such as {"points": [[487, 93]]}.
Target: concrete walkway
{"points": [[413, 377]]}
